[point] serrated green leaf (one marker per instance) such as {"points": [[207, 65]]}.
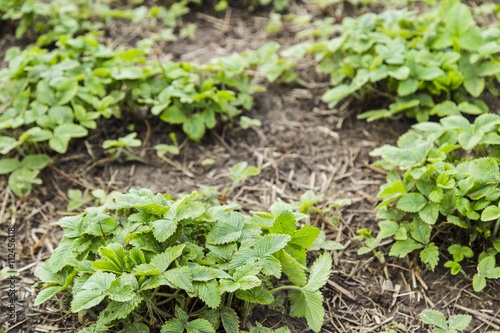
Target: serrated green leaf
{"points": [[430, 213], [60, 256], [333, 96], [478, 282], [454, 267], [43, 272], [228, 286], [142, 270], [199, 326], [164, 259], [411, 202], [208, 292], [121, 292], [460, 252], [127, 73], [387, 229], [45, 294], [173, 326], [45, 94], [135, 328], [473, 83], [459, 322], [407, 87], [433, 317], [420, 231], [487, 267], [292, 268], [285, 223], [430, 256], [305, 236], [118, 310], [249, 282], [403, 247], [270, 244], [228, 229], [66, 91], [92, 292], [180, 278], [249, 268], [164, 228], [7, 144], [229, 319], [189, 210], [256, 295], [7, 165], [202, 273], [485, 169], [194, 127], [63, 134], [308, 304], [490, 213], [20, 181], [319, 273]]}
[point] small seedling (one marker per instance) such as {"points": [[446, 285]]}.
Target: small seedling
{"points": [[163, 149], [24, 173], [241, 171], [453, 324], [246, 122], [135, 260], [77, 199], [120, 149]]}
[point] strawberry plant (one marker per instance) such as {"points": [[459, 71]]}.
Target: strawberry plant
{"points": [[24, 173], [51, 97], [443, 186], [327, 3], [50, 20], [132, 262], [417, 61], [278, 5], [454, 323]]}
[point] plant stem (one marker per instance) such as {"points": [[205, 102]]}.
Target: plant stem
{"points": [[284, 288], [496, 228], [230, 300]]}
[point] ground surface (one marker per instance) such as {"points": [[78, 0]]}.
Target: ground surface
{"points": [[300, 146]]}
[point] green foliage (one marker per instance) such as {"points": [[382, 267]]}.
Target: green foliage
{"points": [[49, 20], [444, 180], [453, 324], [77, 199], [127, 257], [51, 97], [120, 149], [278, 5], [162, 149], [24, 173], [421, 58], [242, 171]]}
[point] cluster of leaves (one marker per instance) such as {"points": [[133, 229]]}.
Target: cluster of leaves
{"points": [[422, 59], [278, 5], [453, 324], [135, 260], [54, 96], [48, 20], [328, 3], [444, 182]]}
